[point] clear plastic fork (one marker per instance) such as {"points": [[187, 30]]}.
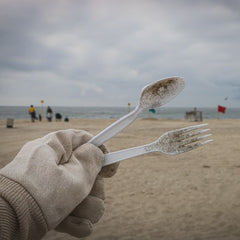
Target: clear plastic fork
{"points": [[171, 143]]}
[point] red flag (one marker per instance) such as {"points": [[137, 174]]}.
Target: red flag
{"points": [[221, 109]]}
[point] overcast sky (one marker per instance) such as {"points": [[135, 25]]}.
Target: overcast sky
{"points": [[103, 52]]}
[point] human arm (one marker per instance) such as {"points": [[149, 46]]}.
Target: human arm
{"points": [[47, 180]]}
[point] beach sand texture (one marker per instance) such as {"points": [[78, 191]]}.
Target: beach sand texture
{"points": [[191, 196]]}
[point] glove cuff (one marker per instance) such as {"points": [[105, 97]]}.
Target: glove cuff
{"points": [[28, 217]]}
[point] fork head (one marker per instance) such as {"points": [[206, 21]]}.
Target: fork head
{"points": [[182, 140]]}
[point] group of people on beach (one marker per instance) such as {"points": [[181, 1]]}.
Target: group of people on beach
{"points": [[32, 112]]}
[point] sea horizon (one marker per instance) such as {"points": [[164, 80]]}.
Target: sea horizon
{"points": [[21, 112]]}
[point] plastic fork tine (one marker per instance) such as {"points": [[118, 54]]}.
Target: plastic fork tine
{"points": [[207, 141], [199, 132], [194, 146], [192, 140], [188, 129], [188, 135]]}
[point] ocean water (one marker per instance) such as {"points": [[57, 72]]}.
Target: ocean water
{"points": [[21, 112]]}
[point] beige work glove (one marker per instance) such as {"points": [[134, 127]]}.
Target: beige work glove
{"points": [[59, 171], [80, 221]]}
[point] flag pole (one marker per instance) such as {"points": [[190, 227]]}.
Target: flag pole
{"points": [[42, 102], [129, 104]]}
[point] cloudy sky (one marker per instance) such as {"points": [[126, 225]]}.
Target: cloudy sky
{"points": [[103, 52]]}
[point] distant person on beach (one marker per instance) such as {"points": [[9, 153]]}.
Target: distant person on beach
{"points": [[49, 114], [54, 182], [58, 116], [32, 113], [66, 119]]}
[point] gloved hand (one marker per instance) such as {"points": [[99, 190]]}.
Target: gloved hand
{"points": [[80, 221], [59, 171]]}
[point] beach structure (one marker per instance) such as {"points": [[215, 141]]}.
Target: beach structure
{"points": [[9, 123], [194, 116]]}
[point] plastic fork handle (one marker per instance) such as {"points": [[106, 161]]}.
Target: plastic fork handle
{"points": [[118, 156], [115, 128]]}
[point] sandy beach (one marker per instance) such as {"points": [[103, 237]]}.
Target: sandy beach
{"points": [[191, 196]]}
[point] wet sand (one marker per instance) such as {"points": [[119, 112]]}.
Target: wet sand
{"points": [[191, 196]]}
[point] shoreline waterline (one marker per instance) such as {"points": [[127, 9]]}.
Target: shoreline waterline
{"points": [[21, 112]]}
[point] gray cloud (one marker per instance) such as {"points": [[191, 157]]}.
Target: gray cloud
{"points": [[103, 52]]}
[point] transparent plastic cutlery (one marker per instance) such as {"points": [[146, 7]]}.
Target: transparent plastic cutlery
{"points": [[153, 95], [171, 143]]}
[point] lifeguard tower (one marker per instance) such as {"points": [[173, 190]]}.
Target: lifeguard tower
{"points": [[194, 116]]}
